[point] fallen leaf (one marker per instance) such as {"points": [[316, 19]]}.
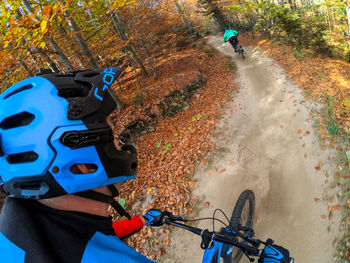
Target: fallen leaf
{"points": [[329, 228], [300, 131], [346, 175], [318, 168], [323, 216], [326, 181], [206, 204], [348, 201], [294, 114], [223, 170], [334, 207], [167, 242], [321, 163], [191, 183], [209, 174], [337, 177], [330, 215], [324, 147], [317, 200], [281, 126], [305, 155], [195, 198], [232, 163], [304, 145], [215, 170]]}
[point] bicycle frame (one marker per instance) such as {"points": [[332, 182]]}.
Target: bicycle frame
{"points": [[213, 242], [212, 255]]}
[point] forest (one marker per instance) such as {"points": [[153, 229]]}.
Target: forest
{"points": [[71, 35], [161, 47]]}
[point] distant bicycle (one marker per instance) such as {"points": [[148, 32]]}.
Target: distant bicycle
{"points": [[240, 50]]}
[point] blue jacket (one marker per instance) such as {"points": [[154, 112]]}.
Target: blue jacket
{"points": [[33, 233]]}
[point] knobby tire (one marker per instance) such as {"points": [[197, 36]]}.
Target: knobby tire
{"points": [[244, 204]]}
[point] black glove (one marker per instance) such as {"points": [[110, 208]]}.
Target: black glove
{"points": [[274, 254], [154, 217]]}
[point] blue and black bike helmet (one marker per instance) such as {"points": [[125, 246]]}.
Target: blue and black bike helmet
{"points": [[51, 122]]}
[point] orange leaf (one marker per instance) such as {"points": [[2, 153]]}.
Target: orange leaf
{"points": [[334, 207], [318, 168], [281, 126], [324, 147], [191, 183], [232, 163], [223, 170], [300, 131], [207, 204], [215, 170]]}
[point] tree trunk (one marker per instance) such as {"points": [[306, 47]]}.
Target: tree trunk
{"points": [[24, 65], [142, 42], [58, 51], [49, 61], [81, 41], [348, 15], [186, 22], [214, 10], [121, 32], [129, 47]]}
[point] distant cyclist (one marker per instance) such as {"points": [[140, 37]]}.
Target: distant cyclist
{"points": [[231, 36]]}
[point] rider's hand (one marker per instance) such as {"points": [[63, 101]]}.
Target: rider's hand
{"points": [[274, 253], [153, 217]]}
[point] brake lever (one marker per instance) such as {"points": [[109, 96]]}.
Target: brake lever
{"points": [[177, 218], [173, 217]]}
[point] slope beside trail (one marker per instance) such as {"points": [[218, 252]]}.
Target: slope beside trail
{"points": [[266, 142]]}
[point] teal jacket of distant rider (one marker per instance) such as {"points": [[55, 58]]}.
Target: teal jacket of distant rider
{"points": [[229, 33]]}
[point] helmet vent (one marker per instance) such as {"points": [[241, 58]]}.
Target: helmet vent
{"points": [[29, 86], [88, 168], [72, 93], [30, 186], [17, 120], [91, 74], [26, 157]]}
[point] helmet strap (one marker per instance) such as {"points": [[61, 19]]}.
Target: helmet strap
{"points": [[93, 195]]}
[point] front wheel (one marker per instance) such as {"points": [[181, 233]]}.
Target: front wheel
{"points": [[242, 219]]}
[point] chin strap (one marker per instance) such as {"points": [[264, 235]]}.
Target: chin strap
{"points": [[93, 195]]}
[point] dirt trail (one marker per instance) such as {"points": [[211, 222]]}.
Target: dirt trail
{"points": [[262, 140]]}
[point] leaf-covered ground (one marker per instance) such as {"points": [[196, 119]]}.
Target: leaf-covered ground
{"points": [[169, 156]]}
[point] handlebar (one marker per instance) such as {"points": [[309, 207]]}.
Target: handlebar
{"points": [[210, 236]]}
